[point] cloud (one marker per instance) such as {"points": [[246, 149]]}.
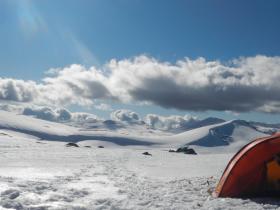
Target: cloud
{"points": [[47, 113], [18, 90], [169, 122], [51, 114], [83, 118], [76, 85], [241, 85], [154, 121], [87, 120], [124, 115], [245, 84]]}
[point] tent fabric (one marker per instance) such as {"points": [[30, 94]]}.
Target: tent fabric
{"points": [[246, 174], [273, 171]]}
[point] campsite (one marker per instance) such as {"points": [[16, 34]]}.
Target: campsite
{"points": [[139, 104]]}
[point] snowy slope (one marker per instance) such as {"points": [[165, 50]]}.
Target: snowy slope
{"points": [[27, 124], [225, 137], [52, 131], [38, 172], [222, 137], [38, 175]]}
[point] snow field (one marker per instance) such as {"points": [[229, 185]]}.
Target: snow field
{"points": [[38, 172], [48, 175]]}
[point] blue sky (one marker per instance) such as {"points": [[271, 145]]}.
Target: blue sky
{"points": [[38, 35]]}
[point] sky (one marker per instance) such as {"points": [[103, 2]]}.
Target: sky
{"points": [[204, 58]]}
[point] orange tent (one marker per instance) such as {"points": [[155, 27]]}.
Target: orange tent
{"points": [[246, 173]]}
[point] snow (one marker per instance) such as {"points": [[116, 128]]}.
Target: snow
{"points": [[225, 137], [39, 173]]}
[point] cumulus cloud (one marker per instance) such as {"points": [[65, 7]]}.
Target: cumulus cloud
{"points": [[125, 116], [244, 85], [154, 121], [18, 90], [241, 85], [61, 115], [75, 85], [46, 113], [83, 117], [169, 122]]}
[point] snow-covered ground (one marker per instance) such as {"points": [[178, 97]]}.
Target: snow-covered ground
{"points": [[38, 171]]}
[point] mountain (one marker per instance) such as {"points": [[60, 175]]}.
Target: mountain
{"points": [[205, 122], [211, 135], [51, 131], [228, 136]]}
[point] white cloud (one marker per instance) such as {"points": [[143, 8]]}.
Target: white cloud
{"points": [[47, 113], [155, 121], [51, 114], [245, 84], [197, 84], [124, 115], [82, 117], [18, 90], [169, 122]]}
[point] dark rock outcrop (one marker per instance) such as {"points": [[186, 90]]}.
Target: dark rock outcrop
{"points": [[186, 150], [71, 144]]}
